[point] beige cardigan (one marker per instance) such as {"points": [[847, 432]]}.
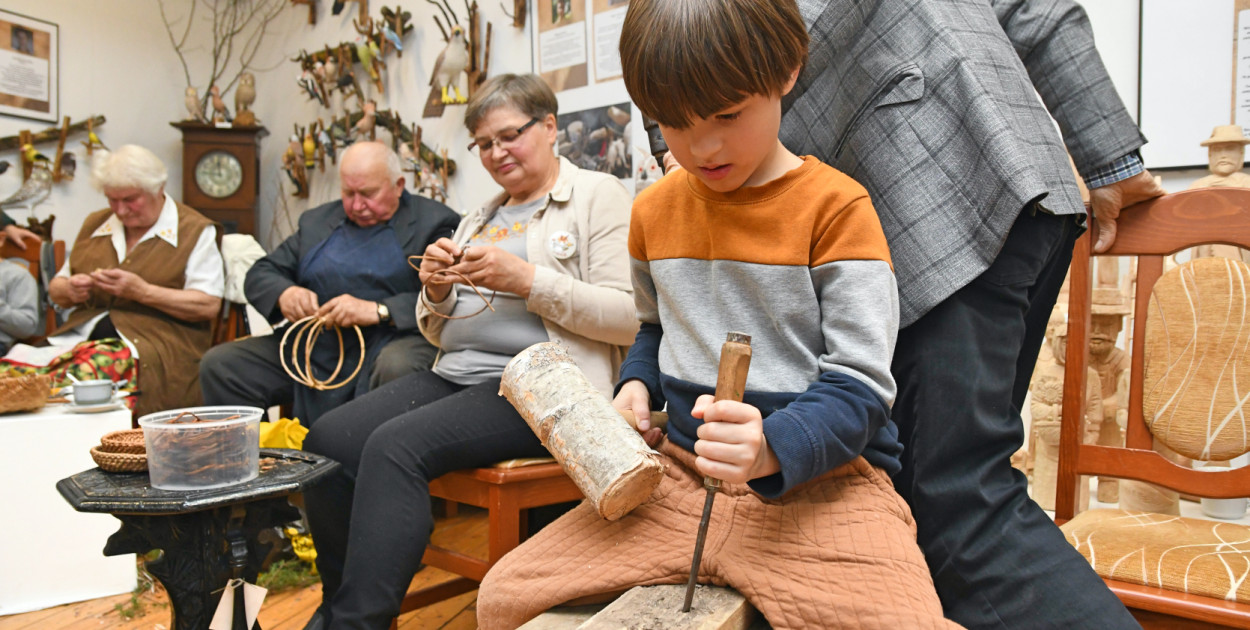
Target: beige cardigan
{"points": [[583, 293]]}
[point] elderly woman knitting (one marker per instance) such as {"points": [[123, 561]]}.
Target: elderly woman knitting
{"points": [[146, 269]]}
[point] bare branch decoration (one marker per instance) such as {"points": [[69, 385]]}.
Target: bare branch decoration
{"points": [[228, 20]]}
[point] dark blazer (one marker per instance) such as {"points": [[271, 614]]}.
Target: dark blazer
{"points": [[933, 106], [418, 222]]}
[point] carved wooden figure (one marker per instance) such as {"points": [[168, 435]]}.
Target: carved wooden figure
{"points": [[1226, 152], [1112, 364], [1046, 406]]}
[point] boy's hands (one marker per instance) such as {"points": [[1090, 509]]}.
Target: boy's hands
{"points": [[635, 397], [731, 444]]}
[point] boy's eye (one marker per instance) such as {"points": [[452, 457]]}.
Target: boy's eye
{"points": [[728, 117]]}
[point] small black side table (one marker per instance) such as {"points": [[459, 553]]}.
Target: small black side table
{"points": [[206, 537]]}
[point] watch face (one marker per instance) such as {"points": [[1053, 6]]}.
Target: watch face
{"points": [[218, 174]]}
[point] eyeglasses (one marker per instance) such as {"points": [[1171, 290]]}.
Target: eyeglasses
{"points": [[504, 139]]}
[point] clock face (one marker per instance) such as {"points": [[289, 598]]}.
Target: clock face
{"points": [[219, 174]]}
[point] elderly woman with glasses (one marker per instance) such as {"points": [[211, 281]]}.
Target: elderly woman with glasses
{"points": [[146, 269], [550, 253]]}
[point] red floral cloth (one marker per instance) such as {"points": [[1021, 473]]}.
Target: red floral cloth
{"points": [[101, 358]]}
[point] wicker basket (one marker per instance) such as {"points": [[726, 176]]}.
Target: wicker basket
{"points": [[24, 393], [119, 462], [127, 441]]}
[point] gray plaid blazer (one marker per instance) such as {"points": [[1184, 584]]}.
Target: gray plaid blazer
{"points": [[933, 106]]}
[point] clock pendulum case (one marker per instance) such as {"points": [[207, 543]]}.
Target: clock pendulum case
{"points": [[221, 173]]}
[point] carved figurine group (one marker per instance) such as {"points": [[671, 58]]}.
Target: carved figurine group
{"points": [[1106, 411]]}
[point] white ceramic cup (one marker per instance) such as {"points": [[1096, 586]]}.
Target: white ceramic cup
{"points": [[94, 392]]}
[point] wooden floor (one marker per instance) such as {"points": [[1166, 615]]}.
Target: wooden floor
{"points": [[288, 610]]}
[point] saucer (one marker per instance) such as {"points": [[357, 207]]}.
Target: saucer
{"points": [[116, 402]]}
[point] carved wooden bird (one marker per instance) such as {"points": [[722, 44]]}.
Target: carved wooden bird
{"points": [[36, 187], [308, 82], [392, 37], [310, 150], [368, 118], [191, 100], [93, 142], [450, 63], [327, 143], [219, 106], [408, 158], [365, 54], [69, 165], [245, 94]]}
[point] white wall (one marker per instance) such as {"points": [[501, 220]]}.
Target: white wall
{"points": [[1116, 24], [116, 60]]}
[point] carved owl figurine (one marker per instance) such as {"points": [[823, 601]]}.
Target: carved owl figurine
{"points": [[245, 94], [192, 102]]}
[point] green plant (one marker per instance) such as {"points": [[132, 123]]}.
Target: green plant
{"points": [[287, 574], [141, 596]]}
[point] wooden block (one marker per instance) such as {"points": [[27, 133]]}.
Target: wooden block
{"points": [[656, 608], [563, 618]]}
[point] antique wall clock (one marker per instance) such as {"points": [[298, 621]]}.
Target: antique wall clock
{"points": [[220, 173]]}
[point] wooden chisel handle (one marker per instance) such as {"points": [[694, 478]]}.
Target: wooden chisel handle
{"points": [[731, 376]]}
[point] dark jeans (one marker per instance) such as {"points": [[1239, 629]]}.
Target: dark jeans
{"points": [[371, 521], [963, 369]]}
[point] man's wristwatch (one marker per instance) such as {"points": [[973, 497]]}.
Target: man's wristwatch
{"points": [[384, 314]]}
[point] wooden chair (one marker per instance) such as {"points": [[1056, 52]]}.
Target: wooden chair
{"points": [[506, 493], [231, 324], [1151, 231], [33, 255]]}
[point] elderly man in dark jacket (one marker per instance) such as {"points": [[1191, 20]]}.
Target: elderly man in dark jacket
{"points": [[346, 264], [932, 106]]}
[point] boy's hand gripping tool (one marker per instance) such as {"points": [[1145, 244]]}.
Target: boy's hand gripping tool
{"points": [[731, 383]]}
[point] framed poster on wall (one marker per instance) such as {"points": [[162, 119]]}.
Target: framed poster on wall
{"points": [[576, 52], [28, 67]]}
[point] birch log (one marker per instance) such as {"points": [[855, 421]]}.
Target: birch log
{"points": [[597, 448]]}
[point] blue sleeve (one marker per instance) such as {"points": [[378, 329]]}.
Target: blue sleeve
{"points": [[643, 363], [834, 421]]}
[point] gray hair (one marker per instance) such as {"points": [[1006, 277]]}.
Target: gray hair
{"points": [[394, 168], [528, 93], [130, 166]]}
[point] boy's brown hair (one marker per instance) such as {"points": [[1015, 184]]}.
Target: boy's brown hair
{"points": [[688, 59]]}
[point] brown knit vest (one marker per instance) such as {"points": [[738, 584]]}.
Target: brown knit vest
{"points": [[169, 349]]}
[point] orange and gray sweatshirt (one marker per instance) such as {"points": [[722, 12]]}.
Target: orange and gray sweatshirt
{"points": [[800, 264]]}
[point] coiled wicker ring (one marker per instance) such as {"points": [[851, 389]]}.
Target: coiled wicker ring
{"points": [[309, 329]]}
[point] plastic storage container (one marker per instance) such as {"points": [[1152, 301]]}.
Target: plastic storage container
{"points": [[202, 447]]}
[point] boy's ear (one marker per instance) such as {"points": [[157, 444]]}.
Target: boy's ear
{"points": [[794, 78]]}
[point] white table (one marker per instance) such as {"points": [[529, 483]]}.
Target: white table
{"points": [[50, 554]]}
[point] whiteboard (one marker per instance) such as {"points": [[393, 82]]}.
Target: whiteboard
{"points": [[1186, 78]]}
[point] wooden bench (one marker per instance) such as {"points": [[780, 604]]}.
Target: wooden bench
{"points": [[506, 494]]}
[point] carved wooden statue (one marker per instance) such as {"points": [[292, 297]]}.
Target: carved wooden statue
{"points": [[1226, 152], [1112, 364], [1047, 406]]}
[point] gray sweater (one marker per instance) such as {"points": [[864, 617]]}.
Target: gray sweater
{"points": [[19, 304]]}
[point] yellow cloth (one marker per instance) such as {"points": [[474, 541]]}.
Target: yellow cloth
{"points": [[285, 433]]}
